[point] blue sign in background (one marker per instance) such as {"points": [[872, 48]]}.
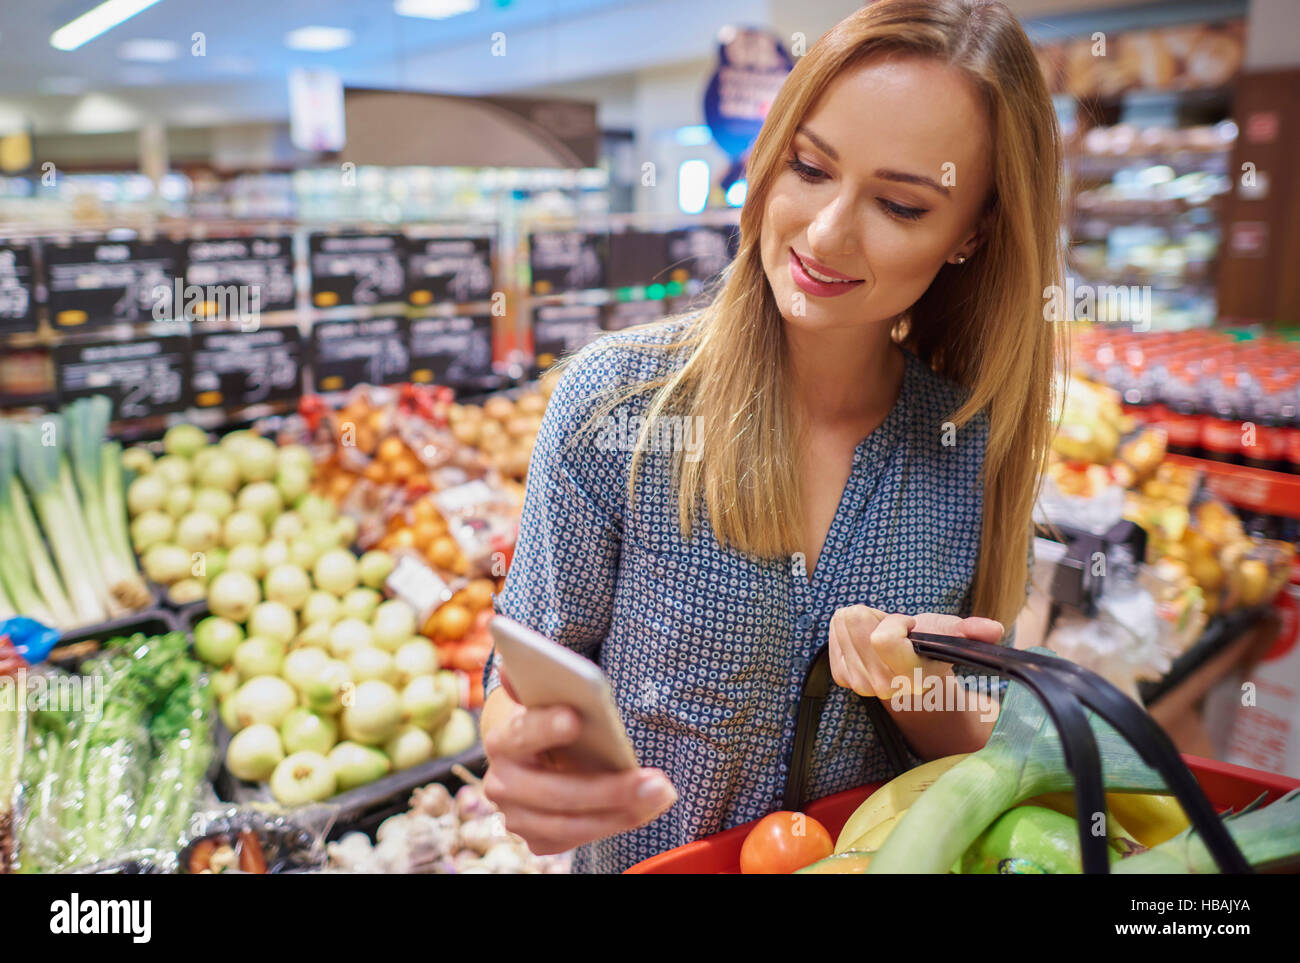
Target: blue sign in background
{"points": [[752, 65]]}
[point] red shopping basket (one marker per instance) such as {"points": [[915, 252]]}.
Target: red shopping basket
{"points": [[1203, 787], [1226, 786]]}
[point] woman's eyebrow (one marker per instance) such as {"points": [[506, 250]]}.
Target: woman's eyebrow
{"points": [[901, 177], [905, 178]]}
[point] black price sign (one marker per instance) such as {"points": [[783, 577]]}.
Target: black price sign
{"points": [[238, 368], [622, 314], [358, 269], [17, 288], [111, 282], [454, 270], [637, 258], [564, 261], [237, 277], [700, 253], [372, 351], [451, 351], [559, 329], [143, 376]]}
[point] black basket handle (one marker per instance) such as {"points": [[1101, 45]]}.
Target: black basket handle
{"points": [[1065, 689]]}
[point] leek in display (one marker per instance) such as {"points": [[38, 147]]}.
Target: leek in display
{"points": [[42, 472], [86, 424], [30, 581]]}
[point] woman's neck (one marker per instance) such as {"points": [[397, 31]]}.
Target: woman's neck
{"points": [[844, 375]]}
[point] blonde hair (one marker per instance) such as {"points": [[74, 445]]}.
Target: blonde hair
{"points": [[980, 324]]}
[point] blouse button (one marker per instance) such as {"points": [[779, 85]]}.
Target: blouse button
{"points": [[803, 622]]}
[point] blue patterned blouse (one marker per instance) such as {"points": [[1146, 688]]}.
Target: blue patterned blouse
{"points": [[706, 648]]}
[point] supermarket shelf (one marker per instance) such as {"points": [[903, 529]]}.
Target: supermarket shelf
{"points": [[1254, 489], [1221, 634]]}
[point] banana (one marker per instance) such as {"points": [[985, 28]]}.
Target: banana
{"points": [[891, 800], [1151, 819], [875, 837]]}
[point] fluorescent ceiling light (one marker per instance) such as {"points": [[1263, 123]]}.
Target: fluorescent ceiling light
{"points": [[148, 51], [318, 39], [93, 22], [433, 9]]}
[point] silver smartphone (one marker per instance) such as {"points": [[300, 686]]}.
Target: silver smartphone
{"points": [[543, 673]]}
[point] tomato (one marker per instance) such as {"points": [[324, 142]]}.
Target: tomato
{"points": [[783, 842]]}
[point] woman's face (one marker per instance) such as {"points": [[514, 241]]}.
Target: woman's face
{"points": [[884, 181]]}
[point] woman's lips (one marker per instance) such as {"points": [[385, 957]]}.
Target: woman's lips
{"points": [[810, 285]]}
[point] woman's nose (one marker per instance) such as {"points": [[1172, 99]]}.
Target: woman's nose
{"points": [[832, 232]]}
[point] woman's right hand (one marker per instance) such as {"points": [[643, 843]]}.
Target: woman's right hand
{"points": [[555, 810]]}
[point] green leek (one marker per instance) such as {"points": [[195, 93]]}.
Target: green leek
{"points": [[40, 467], [28, 575], [1023, 758], [86, 421]]}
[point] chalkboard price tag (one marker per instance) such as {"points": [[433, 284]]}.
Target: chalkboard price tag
{"points": [[449, 270], [356, 269], [111, 282], [701, 252], [559, 329], [233, 369], [372, 351], [563, 261], [225, 277], [452, 351], [144, 376], [17, 288]]}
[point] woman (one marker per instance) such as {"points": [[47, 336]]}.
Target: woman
{"points": [[858, 423]]}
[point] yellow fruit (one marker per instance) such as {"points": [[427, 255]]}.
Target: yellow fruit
{"points": [[875, 837], [838, 865], [1150, 818], [892, 799]]}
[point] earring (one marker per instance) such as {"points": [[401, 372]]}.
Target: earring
{"points": [[959, 259]]}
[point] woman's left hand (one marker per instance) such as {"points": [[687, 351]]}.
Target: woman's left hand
{"points": [[870, 652]]}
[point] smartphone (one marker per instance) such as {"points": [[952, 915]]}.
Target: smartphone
{"points": [[543, 673]]}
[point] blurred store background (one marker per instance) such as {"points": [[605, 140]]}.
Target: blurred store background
{"points": [[260, 214]]}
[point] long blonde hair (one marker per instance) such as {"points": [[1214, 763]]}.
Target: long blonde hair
{"points": [[980, 324]]}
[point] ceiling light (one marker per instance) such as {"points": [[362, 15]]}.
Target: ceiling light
{"points": [[93, 22], [148, 51], [318, 39], [434, 9]]}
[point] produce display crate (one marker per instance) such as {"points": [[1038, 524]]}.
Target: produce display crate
{"points": [[1226, 786], [152, 621]]}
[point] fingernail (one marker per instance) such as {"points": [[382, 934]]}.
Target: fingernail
{"points": [[658, 789]]}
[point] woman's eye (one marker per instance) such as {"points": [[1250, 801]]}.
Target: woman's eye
{"points": [[805, 172], [901, 211]]}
